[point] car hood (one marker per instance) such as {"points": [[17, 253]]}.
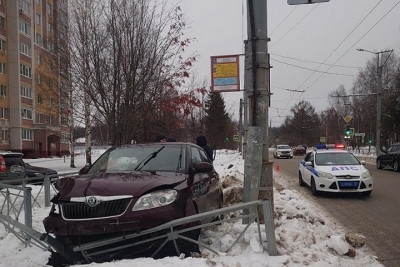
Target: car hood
{"points": [[339, 170], [112, 184], [284, 149]]}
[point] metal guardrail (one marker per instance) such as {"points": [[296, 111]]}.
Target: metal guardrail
{"points": [[173, 234], [17, 198], [88, 250]]}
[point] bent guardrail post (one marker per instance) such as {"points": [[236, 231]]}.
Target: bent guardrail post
{"points": [[46, 185], [269, 227], [28, 211]]}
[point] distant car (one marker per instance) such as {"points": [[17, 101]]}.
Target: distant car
{"points": [[299, 150], [332, 169], [389, 158], [40, 172], [130, 189], [11, 167], [282, 151]]}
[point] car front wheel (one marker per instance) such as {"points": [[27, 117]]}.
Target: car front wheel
{"points": [[314, 190], [396, 166], [378, 164], [301, 181]]}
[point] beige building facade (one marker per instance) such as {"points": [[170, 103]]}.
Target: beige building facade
{"points": [[34, 77]]}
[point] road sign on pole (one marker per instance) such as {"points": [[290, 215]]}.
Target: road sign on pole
{"points": [[347, 119], [300, 2]]}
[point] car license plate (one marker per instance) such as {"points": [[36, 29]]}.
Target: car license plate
{"points": [[348, 184]]}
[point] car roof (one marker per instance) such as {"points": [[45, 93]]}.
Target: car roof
{"points": [[10, 153]]}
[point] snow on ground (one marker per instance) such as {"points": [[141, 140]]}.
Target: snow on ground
{"points": [[305, 235]]}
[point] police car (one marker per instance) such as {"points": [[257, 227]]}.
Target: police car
{"points": [[330, 168]]}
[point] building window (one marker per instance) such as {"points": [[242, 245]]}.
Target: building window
{"points": [[5, 134], [25, 6], [39, 118], [50, 64], [26, 91], [64, 138], [27, 134], [2, 68], [24, 27], [49, 27], [50, 83], [50, 102], [38, 39], [50, 46], [25, 70], [25, 49], [38, 2], [26, 113], [39, 98], [4, 113], [39, 79], [2, 45], [49, 8], [38, 19], [64, 121], [2, 22], [50, 120], [39, 59], [3, 91]]}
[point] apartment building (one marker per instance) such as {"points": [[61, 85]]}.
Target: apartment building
{"points": [[34, 77]]}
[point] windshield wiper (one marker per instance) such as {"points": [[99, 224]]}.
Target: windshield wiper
{"points": [[148, 158]]}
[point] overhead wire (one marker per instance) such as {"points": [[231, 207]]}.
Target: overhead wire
{"points": [[336, 49], [283, 20], [295, 25], [313, 70], [314, 62]]}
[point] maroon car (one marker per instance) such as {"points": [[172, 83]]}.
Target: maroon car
{"points": [[130, 189], [299, 150]]}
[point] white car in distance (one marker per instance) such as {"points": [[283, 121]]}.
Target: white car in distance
{"points": [[283, 151]]}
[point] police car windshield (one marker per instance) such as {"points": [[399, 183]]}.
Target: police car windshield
{"points": [[336, 159]]}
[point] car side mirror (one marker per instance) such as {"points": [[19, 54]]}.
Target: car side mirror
{"points": [[201, 167], [85, 169]]}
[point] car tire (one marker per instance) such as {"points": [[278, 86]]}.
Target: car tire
{"points": [[314, 189], [301, 181], [378, 164], [396, 166]]}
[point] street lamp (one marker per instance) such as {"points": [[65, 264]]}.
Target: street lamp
{"points": [[379, 69]]}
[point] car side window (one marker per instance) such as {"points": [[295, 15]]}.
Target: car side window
{"points": [[196, 157], [203, 156], [308, 156], [390, 149], [396, 148]]}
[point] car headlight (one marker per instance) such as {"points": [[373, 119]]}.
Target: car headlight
{"points": [[366, 174], [325, 175], [155, 200]]}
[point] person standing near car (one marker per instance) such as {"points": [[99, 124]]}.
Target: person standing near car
{"points": [[161, 138], [201, 141]]}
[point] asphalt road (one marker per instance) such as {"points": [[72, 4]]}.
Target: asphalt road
{"points": [[377, 217]]}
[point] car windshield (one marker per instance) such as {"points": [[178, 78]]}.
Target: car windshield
{"points": [[128, 158], [336, 159], [283, 147]]}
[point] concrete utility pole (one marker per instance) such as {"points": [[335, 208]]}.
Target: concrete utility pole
{"points": [[379, 69], [258, 180], [240, 125]]}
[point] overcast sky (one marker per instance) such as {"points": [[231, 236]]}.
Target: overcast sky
{"points": [[302, 37]]}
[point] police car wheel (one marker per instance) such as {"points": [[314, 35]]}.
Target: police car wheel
{"points": [[301, 181], [314, 190]]}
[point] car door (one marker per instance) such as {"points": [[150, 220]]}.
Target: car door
{"points": [[202, 182], [386, 157], [307, 170]]}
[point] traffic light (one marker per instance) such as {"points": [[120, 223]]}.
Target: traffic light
{"points": [[348, 130], [369, 141], [226, 139]]}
